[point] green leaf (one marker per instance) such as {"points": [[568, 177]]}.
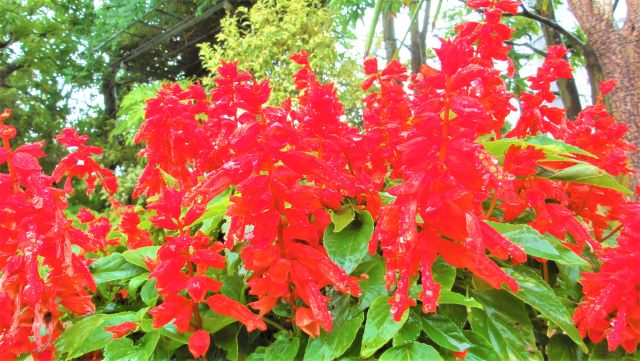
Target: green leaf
{"points": [[88, 334], [282, 349], [113, 268], [123, 349], [342, 218], [443, 273], [330, 345], [549, 146], [149, 293], [213, 216], [214, 322], [537, 293], [504, 322], [411, 352], [601, 353], [350, 246], [453, 298], [380, 326], [227, 339], [561, 348], [409, 331], [135, 283], [139, 255], [480, 349], [586, 173], [537, 245], [258, 354], [373, 286], [441, 330]]}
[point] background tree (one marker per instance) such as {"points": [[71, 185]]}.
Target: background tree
{"points": [[39, 44], [618, 51], [264, 37]]}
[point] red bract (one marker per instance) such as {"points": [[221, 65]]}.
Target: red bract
{"points": [[611, 305], [41, 277], [79, 163]]}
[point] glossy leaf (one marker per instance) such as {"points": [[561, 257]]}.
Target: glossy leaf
{"points": [[441, 330], [548, 145], [138, 256], [88, 334], [409, 331], [373, 286], [342, 218], [349, 247], [537, 245], [113, 268], [282, 349], [537, 293], [380, 327], [589, 174], [410, 352], [504, 322], [330, 345]]}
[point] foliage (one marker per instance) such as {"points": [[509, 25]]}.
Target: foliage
{"points": [[262, 38], [429, 234], [39, 44]]}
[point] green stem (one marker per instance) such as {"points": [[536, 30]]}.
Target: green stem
{"points": [[372, 27], [416, 10]]}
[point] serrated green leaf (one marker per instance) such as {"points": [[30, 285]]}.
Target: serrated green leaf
{"points": [[538, 294], [123, 349], [342, 218], [329, 346], [441, 330], [138, 256], [537, 245], [88, 334], [282, 349], [586, 173], [350, 246], [113, 267], [411, 352], [504, 322], [380, 326], [409, 331], [373, 286]]}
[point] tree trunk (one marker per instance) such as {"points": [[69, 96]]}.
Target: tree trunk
{"points": [[618, 51], [389, 35], [568, 89]]}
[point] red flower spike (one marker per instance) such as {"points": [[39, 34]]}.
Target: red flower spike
{"points": [[224, 305], [199, 343], [122, 329]]}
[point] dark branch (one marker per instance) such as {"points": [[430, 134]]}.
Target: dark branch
{"points": [[541, 19], [7, 71], [527, 45]]}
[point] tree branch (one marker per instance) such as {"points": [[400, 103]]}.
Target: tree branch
{"points": [[527, 45], [541, 19], [7, 71]]}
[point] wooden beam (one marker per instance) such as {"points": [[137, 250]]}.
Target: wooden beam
{"points": [[176, 29]]}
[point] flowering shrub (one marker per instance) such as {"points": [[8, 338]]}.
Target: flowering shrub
{"points": [[428, 232]]}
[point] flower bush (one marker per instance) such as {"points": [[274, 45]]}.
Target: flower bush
{"points": [[430, 231]]}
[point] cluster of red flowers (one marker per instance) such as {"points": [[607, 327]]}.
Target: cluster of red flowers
{"points": [[286, 168], [40, 273]]}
